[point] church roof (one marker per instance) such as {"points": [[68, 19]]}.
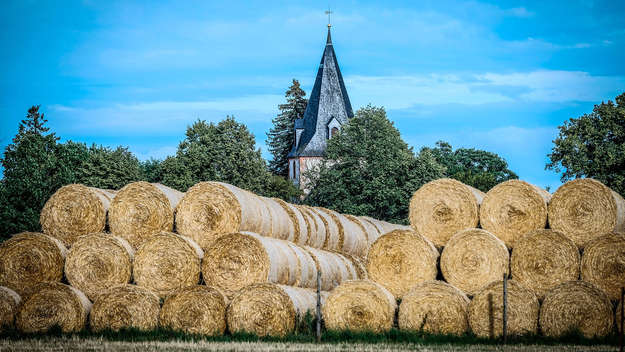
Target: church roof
{"points": [[328, 100]]}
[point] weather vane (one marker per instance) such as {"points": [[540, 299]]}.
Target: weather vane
{"points": [[328, 12]]}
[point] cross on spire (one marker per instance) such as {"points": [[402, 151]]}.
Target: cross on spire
{"points": [[328, 12]]}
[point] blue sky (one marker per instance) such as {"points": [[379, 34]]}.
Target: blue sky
{"points": [[497, 75]]}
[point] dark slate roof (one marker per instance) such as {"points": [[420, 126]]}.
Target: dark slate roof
{"points": [[328, 100]]}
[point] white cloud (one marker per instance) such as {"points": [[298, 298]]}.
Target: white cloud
{"points": [[521, 12]]}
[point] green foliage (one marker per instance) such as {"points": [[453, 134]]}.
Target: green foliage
{"points": [[280, 187], [474, 167], [593, 145], [152, 170], [107, 168], [370, 170], [281, 136]]}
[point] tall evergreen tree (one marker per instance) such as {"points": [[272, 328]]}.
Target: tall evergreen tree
{"points": [[282, 135]]}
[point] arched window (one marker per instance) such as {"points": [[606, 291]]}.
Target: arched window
{"points": [[334, 131]]}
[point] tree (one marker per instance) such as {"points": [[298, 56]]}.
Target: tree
{"points": [[281, 136], [593, 145], [32, 173], [370, 170], [474, 167], [107, 168], [225, 152], [152, 170]]}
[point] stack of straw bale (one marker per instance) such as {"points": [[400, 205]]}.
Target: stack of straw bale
{"points": [[75, 210], [141, 209], [124, 307], [9, 301], [270, 309], [435, 307], [603, 263], [195, 310], [401, 259]]}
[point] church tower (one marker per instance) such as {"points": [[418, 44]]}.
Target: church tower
{"points": [[327, 111]]}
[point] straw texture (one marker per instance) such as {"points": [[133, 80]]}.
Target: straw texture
{"points": [[370, 231], [576, 306], [513, 208], [603, 263], [472, 259], [359, 306], [317, 237], [300, 224], [195, 310], [98, 261], [123, 307], [9, 302], [140, 210], [333, 239], [281, 224], [53, 304], [486, 310], [335, 268], [29, 258], [435, 307], [443, 207], [583, 209], [166, 263], [75, 210], [270, 309], [401, 259], [543, 259]]}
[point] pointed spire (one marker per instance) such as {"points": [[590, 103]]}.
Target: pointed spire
{"points": [[329, 40]]}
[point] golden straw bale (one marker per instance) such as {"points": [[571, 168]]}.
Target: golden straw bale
{"points": [[123, 307], [576, 306], [281, 224], [270, 309], [335, 268], [543, 259], [9, 302], [401, 259], [359, 266], [370, 231], [211, 209], [435, 307], [333, 239], [240, 259], [195, 310], [53, 304], [301, 225], [317, 237], [98, 261], [167, 263], [142, 209], [583, 209], [472, 259], [375, 223], [486, 310], [352, 239], [441, 208], [305, 267], [359, 305], [513, 208], [29, 258], [75, 210], [603, 263], [383, 226]]}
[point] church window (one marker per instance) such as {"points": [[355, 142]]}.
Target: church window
{"points": [[334, 131]]}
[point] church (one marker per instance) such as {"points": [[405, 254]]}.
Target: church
{"points": [[327, 111]]}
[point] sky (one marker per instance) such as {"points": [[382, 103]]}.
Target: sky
{"points": [[494, 75]]}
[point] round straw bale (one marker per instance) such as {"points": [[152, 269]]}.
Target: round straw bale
{"points": [[401, 259], [352, 239], [270, 309], [195, 310], [371, 232], [98, 261], [124, 307], [486, 310], [513, 208], [9, 302], [141, 209], [383, 226], [335, 268], [359, 266], [443, 207], [472, 259], [375, 223], [237, 260], [211, 209], [281, 224], [53, 304], [317, 237], [435, 307], [75, 210], [359, 305], [333, 239], [603, 263], [576, 306], [29, 258], [301, 225], [583, 209], [166, 263], [543, 259]]}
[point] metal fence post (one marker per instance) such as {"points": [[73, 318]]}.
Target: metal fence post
{"points": [[318, 305], [505, 308]]}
